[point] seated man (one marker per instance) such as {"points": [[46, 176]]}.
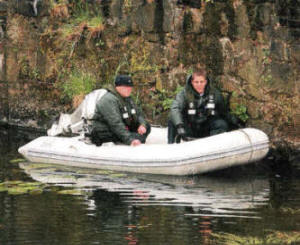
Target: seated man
{"points": [[198, 110], [117, 118]]}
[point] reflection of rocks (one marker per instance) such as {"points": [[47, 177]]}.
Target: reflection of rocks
{"points": [[11, 138]]}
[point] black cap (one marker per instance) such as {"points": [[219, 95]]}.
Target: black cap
{"points": [[123, 80]]}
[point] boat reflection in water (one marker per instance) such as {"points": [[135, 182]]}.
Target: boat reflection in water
{"points": [[206, 195]]}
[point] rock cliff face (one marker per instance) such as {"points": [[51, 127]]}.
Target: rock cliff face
{"points": [[53, 52]]}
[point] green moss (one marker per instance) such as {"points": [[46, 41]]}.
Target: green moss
{"points": [[52, 3], [18, 160], [35, 188], [17, 191], [75, 192], [289, 211], [95, 21], [71, 44], [19, 187], [78, 83], [66, 30], [238, 107], [272, 237], [241, 112], [165, 98], [36, 191], [83, 15], [231, 239], [136, 61], [86, 19], [11, 183], [168, 97], [26, 70], [29, 184]]}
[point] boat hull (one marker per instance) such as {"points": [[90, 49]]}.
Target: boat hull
{"points": [[221, 151]]}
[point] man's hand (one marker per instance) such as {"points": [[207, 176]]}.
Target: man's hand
{"points": [[142, 129], [135, 142]]}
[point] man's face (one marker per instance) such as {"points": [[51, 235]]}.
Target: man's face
{"points": [[199, 83], [124, 91]]}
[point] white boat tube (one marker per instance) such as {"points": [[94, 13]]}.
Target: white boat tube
{"points": [[228, 149]]}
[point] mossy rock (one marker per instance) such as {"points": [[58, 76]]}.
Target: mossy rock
{"points": [[20, 187], [30, 184], [37, 191], [272, 237], [17, 191], [74, 192], [11, 183]]}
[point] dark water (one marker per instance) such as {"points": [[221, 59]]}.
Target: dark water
{"points": [[256, 204]]}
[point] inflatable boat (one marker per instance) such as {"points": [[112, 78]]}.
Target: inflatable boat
{"points": [[198, 156]]}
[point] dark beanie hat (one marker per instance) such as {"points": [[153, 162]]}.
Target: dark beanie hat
{"points": [[123, 80]]}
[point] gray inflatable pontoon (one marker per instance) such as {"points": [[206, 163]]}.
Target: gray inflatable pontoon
{"points": [[221, 151]]}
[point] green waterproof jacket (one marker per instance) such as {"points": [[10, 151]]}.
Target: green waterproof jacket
{"points": [[191, 108], [118, 116]]}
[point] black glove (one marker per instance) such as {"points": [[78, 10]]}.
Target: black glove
{"points": [[181, 132]]}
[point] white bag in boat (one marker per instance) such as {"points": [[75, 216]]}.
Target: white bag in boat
{"points": [[73, 123]]}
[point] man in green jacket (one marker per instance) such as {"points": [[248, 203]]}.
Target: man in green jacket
{"points": [[198, 110], [117, 118]]}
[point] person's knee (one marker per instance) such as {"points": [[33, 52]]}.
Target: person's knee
{"points": [[170, 124], [222, 124], [148, 128], [171, 132], [218, 126]]}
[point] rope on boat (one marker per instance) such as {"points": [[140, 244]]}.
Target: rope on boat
{"points": [[251, 144]]}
